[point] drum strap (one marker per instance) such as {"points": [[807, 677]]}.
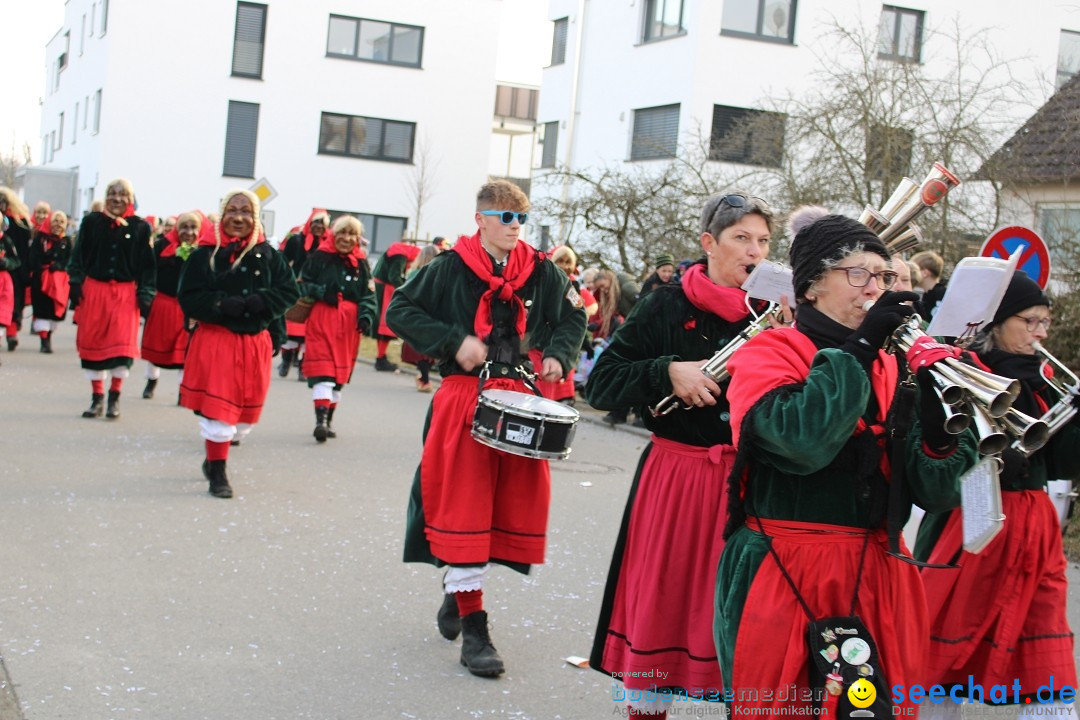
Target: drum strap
{"points": [[519, 372]]}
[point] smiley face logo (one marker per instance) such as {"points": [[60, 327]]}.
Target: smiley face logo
{"points": [[862, 693]]}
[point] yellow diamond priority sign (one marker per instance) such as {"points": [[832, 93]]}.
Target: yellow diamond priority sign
{"points": [[264, 190]]}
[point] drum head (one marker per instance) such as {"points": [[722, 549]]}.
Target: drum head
{"points": [[531, 404]]}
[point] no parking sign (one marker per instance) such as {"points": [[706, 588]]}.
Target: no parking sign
{"points": [[1034, 255]]}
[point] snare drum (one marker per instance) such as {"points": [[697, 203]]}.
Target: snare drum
{"points": [[523, 424]]}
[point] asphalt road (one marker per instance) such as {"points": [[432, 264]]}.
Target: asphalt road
{"points": [[127, 591]]}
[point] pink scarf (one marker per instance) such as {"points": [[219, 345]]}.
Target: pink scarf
{"points": [[727, 302]]}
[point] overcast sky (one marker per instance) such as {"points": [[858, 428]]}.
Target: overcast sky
{"points": [[30, 24]]}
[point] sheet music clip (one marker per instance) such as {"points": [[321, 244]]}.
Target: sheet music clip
{"points": [[965, 338]]}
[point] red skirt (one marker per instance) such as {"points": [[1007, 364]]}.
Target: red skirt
{"points": [[7, 298], [295, 329], [164, 339], [384, 292], [479, 503], [57, 286], [558, 390], [332, 342], [660, 620], [227, 374], [108, 320], [823, 560], [1001, 617]]}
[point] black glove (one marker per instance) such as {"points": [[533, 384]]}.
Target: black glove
{"points": [[75, 295], [277, 351], [884, 317], [330, 297], [144, 308], [232, 306], [255, 304], [932, 416], [1014, 469], [3, 263], [364, 326]]}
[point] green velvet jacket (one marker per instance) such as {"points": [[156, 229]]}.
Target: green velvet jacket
{"points": [[104, 251], [325, 272], [391, 270], [263, 270], [436, 309]]}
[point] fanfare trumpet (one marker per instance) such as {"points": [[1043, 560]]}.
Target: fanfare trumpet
{"points": [[715, 368], [984, 399], [1065, 383], [894, 222]]}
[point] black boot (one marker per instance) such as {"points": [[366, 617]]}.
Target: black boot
{"points": [[329, 419], [477, 652], [12, 343], [320, 423], [384, 365], [448, 619], [112, 411], [286, 363], [97, 406], [46, 343], [148, 391], [214, 470]]}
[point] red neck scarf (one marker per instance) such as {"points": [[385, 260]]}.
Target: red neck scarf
{"points": [[727, 302], [520, 264], [45, 226], [353, 257], [120, 220], [309, 239], [401, 248]]}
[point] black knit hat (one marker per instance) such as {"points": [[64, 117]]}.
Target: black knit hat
{"points": [[828, 239], [1023, 292]]}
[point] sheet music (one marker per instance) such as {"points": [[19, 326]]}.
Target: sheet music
{"points": [[769, 281], [980, 504], [973, 295]]}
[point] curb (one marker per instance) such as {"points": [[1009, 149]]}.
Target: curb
{"points": [[9, 702]]}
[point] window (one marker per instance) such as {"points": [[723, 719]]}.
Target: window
{"points": [[900, 34], [75, 124], [86, 113], [366, 137], [1068, 56], [1059, 225], [656, 133], [772, 20], [663, 18], [60, 133], [104, 16], [240, 135], [52, 145], [558, 41], [247, 59], [516, 102], [93, 18], [97, 112], [82, 35], [375, 41], [381, 231], [888, 153], [550, 142], [750, 137]]}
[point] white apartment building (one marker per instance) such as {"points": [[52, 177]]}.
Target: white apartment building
{"points": [[628, 81], [341, 104]]}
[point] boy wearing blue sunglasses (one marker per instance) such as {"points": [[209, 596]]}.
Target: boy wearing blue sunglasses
{"points": [[483, 304]]}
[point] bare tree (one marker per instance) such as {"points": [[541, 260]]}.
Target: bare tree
{"points": [[421, 180], [12, 161]]}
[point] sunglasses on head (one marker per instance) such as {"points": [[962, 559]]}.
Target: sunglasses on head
{"points": [[507, 217], [738, 201]]}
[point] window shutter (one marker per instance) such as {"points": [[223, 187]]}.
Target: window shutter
{"points": [[551, 143], [558, 41], [248, 44], [656, 133], [240, 136]]}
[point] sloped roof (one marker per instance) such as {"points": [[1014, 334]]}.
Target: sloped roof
{"points": [[1047, 148]]}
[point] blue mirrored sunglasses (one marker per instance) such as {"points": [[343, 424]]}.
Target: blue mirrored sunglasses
{"points": [[506, 217]]}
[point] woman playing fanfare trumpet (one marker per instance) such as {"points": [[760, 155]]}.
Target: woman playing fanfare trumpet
{"points": [[810, 412], [656, 618], [1001, 617]]}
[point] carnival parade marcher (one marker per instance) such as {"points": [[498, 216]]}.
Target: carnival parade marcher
{"points": [[1000, 618], [655, 629], [236, 286], [806, 571], [50, 287], [9, 262], [18, 233], [423, 363], [296, 248], [564, 390], [113, 275], [481, 306], [389, 274], [336, 276], [165, 334]]}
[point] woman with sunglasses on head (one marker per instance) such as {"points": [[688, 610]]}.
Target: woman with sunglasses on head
{"points": [[806, 538], [479, 308], [655, 628], [1000, 618], [389, 274], [335, 276]]}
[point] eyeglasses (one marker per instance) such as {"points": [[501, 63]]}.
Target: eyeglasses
{"points": [[507, 217], [1033, 322], [860, 277]]}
